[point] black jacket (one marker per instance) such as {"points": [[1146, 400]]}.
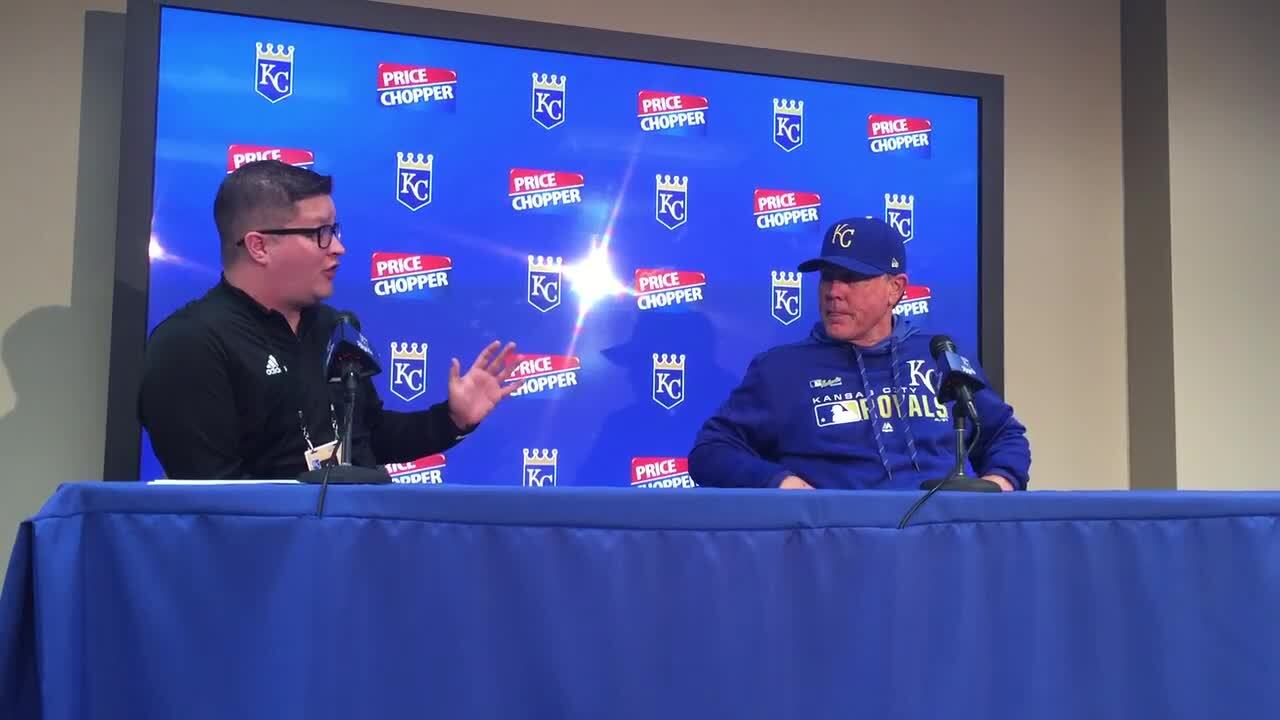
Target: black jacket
{"points": [[224, 381]]}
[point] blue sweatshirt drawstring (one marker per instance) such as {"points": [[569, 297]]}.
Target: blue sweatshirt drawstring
{"points": [[876, 428]]}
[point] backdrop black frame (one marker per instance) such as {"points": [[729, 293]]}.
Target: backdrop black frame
{"points": [[137, 148]]}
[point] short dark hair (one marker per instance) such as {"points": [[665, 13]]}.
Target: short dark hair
{"points": [[262, 191]]}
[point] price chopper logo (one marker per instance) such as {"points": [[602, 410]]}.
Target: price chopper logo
{"points": [[546, 276], [538, 189], [238, 155], [408, 370], [539, 467], [899, 213], [788, 123], [414, 179], [548, 99], [899, 134], [671, 113], [784, 208], [408, 274], [427, 470], [540, 373], [274, 77], [668, 379], [672, 200], [915, 301], [660, 472], [416, 85], [657, 288], [785, 296]]}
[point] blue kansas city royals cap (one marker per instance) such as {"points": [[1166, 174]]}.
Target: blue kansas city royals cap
{"points": [[862, 245]]}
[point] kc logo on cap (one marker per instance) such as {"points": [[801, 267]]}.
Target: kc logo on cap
{"points": [[865, 246]]}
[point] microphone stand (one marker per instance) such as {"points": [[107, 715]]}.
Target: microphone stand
{"points": [[343, 472], [957, 479]]}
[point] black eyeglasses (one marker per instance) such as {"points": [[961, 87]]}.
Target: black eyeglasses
{"points": [[322, 234]]}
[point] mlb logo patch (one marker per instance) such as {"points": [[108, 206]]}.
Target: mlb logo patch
{"points": [[785, 294], [413, 179], [548, 99], [408, 370], [899, 213], [788, 123], [837, 413], [274, 77], [668, 379], [545, 277], [539, 468], [672, 200]]}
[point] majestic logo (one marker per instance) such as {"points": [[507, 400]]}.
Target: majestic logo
{"points": [[895, 133], [548, 99], [415, 84], [785, 296], [672, 200], [546, 277], [238, 155], [408, 370], [668, 379], [543, 372], [788, 123], [899, 213], [427, 470], [535, 189], [660, 472], [657, 288], [274, 77], [780, 208], [664, 111], [915, 301], [408, 273], [414, 179], [539, 467]]}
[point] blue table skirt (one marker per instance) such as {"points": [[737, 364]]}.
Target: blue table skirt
{"points": [[134, 601]]}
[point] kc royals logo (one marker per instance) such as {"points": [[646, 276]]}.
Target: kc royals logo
{"points": [[785, 294], [668, 380], [408, 370], [413, 179], [274, 79], [548, 99], [545, 278], [899, 213], [672, 200], [539, 467], [788, 123]]}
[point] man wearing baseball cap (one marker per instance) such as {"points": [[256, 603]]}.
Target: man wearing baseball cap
{"points": [[854, 405]]}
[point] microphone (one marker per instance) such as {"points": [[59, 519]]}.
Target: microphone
{"points": [[957, 384], [348, 359], [958, 381], [349, 352]]}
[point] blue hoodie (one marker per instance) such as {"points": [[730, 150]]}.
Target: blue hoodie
{"points": [[840, 416]]}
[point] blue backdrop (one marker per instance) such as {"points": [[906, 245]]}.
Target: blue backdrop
{"points": [[375, 109]]}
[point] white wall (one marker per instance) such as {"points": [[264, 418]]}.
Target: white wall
{"points": [[1064, 254], [1224, 171], [57, 250]]}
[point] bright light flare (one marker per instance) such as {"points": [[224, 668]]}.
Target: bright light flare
{"points": [[592, 279]]}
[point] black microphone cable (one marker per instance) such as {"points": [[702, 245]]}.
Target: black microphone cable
{"points": [[977, 431]]}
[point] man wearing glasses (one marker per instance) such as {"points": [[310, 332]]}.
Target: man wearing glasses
{"points": [[233, 383]]}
